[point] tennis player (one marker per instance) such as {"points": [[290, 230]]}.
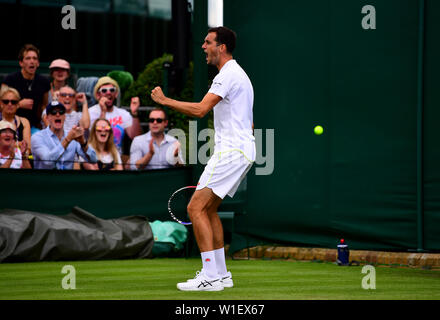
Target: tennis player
{"points": [[231, 96]]}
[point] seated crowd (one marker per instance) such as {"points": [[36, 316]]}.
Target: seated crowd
{"points": [[49, 125]]}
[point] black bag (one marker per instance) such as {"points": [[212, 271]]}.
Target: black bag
{"points": [[29, 236]]}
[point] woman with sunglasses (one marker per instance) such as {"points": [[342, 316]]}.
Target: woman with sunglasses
{"points": [[12, 154], [101, 140], [9, 99]]}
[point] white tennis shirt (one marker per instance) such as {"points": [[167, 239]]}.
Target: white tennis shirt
{"points": [[233, 114]]}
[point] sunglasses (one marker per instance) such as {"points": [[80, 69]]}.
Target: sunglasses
{"points": [[104, 90], [55, 111], [13, 102], [71, 95], [103, 128], [158, 120]]}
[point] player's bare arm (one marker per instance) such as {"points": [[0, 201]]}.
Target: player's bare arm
{"points": [[193, 109]]}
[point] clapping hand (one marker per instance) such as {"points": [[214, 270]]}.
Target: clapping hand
{"points": [[176, 151], [134, 105], [151, 147], [77, 133]]}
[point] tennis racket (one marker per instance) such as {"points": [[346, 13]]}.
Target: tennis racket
{"points": [[178, 203]]}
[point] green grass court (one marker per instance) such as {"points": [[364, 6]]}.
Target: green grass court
{"points": [[155, 279]]}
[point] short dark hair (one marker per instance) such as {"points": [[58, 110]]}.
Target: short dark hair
{"points": [[225, 36], [26, 48], [159, 109]]}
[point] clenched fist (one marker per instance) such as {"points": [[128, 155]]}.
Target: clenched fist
{"points": [[158, 96]]}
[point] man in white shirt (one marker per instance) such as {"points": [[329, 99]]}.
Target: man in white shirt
{"points": [[155, 149], [231, 96], [106, 91]]}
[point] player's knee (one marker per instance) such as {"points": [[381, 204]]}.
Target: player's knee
{"points": [[191, 209], [194, 210]]}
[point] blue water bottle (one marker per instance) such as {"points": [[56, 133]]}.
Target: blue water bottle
{"points": [[343, 253]]}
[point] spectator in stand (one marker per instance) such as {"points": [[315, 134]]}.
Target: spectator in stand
{"points": [[54, 148], [101, 140], [33, 88], [69, 98], [9, 99], [59, 72], [12, 154], [155, 149], [106, 91]]}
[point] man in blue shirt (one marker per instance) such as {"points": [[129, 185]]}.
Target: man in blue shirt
{"points": [[53, 148]]}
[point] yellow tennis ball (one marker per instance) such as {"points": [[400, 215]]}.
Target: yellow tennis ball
{"points": [[318, 130]]}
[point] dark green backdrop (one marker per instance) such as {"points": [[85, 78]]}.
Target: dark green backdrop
{"points": [[431, 135], [312, 63], [104, 194]]}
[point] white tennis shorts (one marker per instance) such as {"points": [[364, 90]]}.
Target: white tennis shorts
{"points": [[224, 172]]}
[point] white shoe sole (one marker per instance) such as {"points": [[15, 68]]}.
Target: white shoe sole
{"points": [[184, 288]]}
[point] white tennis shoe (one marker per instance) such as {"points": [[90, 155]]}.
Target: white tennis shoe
{"points": [[227, 280], [201, 283]]}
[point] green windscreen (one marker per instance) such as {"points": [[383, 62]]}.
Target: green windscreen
{"points": [[312, 63]]}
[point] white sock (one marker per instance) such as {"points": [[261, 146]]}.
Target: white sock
{"points": [[209, 266], [220, 261]]}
